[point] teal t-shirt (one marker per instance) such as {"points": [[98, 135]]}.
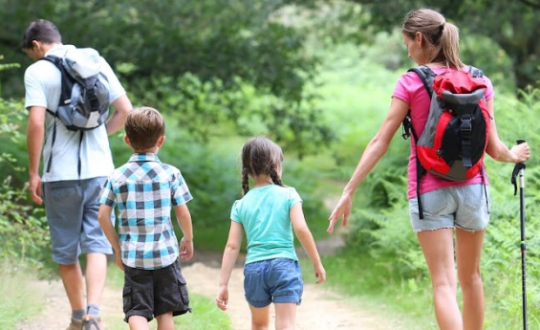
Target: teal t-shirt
{"points": [[264, 212]]}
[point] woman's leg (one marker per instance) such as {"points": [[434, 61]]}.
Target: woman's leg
{"points": [[468, 252], [285, 316], [260, 317], [438, 248]]}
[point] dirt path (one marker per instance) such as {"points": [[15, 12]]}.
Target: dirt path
{"points": [[321, 308]]}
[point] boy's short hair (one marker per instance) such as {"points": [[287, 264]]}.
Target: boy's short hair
{"points": [[144, 126], [43, 31]]}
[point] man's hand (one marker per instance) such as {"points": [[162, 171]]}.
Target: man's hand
{"points": [[34, 189]]}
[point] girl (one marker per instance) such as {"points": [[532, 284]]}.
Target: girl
{"points": [[448, 205], [267, 212]]}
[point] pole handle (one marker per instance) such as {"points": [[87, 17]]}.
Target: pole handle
{"points": [[517, 168]]}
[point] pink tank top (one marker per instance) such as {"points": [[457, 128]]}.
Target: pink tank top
{"points": [[411, 90]]}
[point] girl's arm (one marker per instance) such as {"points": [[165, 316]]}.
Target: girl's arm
{"points": [[498, 150], [229, 259], [374, 151], [303, 233]]}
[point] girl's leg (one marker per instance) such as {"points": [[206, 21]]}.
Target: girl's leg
{"points": [[138, 323], [468, 252], [260, 317], [438, 248], [165, 321], [285, 316]]}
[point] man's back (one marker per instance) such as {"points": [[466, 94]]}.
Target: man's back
{"points": [[43, 89]]}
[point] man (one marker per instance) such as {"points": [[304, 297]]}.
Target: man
{"points": [[76, 165]]}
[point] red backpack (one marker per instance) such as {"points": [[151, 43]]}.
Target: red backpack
{"points": [[454, 140]]}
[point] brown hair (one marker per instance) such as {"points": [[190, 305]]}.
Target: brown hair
{"points": [[43, 31], [260, 156], [440, 37], [144, 126]]}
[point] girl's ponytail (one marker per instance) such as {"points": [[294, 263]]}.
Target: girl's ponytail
{"points": [[245, 180], [275, 177]]}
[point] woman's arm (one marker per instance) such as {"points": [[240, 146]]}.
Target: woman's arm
{"points": [[498, 150], [374, 151]]}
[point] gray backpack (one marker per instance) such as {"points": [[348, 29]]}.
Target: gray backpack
{"points": [[84, 101]]}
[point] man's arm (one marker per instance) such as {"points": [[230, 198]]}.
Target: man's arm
{"points": [[122, 106], [35, 134]]}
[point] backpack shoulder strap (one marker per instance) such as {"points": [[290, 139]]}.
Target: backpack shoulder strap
{"points": [[67, 80], [426, 75], [475, 72]]}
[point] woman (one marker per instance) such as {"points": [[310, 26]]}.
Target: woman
{"points": [[448, 205]]}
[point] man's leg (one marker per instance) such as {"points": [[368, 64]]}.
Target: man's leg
{"points": [[95, 245], [64, 214], [73, 283], [96, 271]]}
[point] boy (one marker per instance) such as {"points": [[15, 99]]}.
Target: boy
{"points": [[145, 190]]}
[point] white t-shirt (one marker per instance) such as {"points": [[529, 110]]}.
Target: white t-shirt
{"points": [[42, 81]]}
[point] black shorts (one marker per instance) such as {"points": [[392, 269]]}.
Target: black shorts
{"points": [[151, 293]]}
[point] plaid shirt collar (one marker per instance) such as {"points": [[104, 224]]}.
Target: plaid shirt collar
{"points": [[148, 157]]}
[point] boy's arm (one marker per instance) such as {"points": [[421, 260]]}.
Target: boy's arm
{"points": [[229, 259], [304, 236], [184, 221], [104, 217]]}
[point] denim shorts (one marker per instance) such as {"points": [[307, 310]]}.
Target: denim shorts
{"points": [[150, 293], [465, 207], [72, 213], [275, 280]]}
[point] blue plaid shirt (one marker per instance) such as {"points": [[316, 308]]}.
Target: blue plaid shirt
{"points": [[144, 190]]}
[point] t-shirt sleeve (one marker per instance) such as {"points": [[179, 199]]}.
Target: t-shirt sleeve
{"points": [[235, 211], [401, 91], [115, 87], [489, 93], [179, 190], [34, 91], [107, 195], [294, 197]]}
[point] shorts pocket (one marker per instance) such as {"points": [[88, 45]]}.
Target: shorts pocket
{"points": [[127, 298], [434, 202], [182, 287]]}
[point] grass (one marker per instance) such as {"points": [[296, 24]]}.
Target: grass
{"points": [[21, 298], [205, 314]]}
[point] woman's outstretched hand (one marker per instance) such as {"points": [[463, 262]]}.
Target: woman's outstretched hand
{"points": [[342, 209]]}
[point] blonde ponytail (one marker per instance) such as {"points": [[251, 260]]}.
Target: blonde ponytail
{"points": [[441, 39]]}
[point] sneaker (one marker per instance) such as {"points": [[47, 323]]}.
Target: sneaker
{"points": [[75, 324], [91, 323]]}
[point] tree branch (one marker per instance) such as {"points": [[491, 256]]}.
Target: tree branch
{"points": [[531, 4]]}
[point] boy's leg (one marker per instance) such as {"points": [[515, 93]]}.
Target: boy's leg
{"points": [[285, 316], [260, 317], [165, 321], [138, 323]]}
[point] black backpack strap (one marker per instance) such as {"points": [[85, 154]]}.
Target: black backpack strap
{"points": [[427, 76]]}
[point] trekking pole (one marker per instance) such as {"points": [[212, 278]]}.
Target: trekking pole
{"points": [[519, 169]]}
